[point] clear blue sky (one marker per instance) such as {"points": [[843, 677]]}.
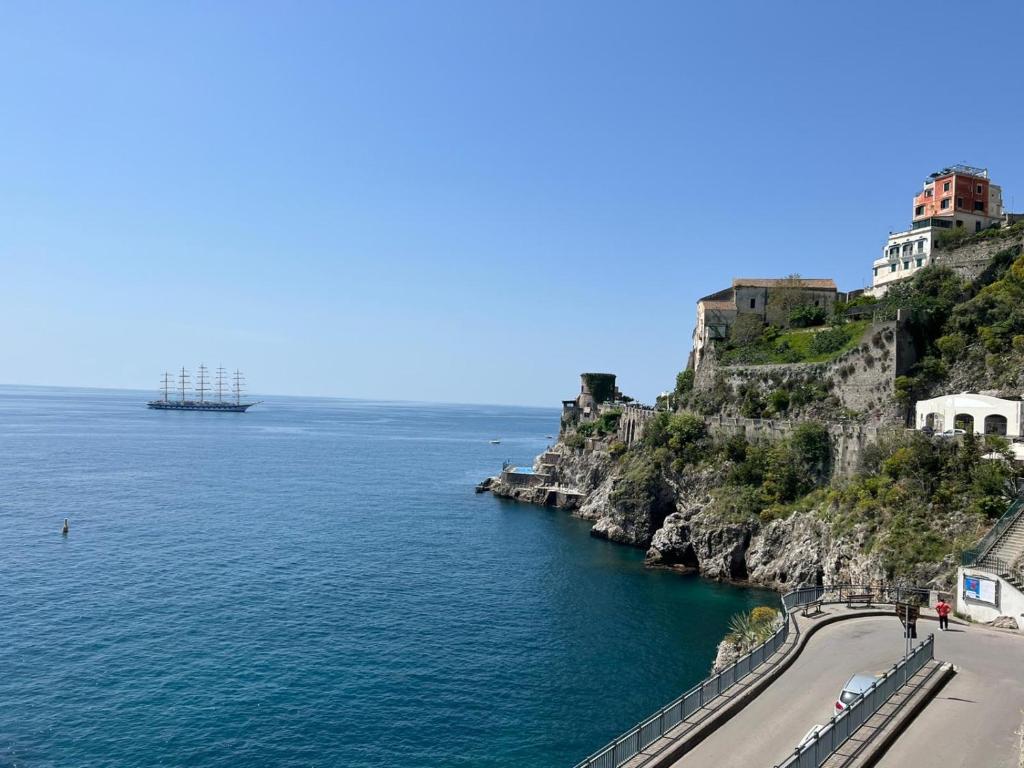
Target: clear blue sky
{"points": [[460, 201]]}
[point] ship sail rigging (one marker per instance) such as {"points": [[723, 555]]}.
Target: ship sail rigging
{"points": [[199, 401]]}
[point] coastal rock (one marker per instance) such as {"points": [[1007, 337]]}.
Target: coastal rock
{"points": [[728, 653], [671, 543], [720, 548], [1005, 622]]}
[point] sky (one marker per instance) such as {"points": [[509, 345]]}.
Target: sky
{"points": [[460, 201]]}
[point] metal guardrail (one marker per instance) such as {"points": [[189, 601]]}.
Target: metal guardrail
{"points": [[642, 735], [973, 556], [815, 752]]}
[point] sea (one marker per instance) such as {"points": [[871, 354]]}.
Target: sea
{"points": [[315, 583]]}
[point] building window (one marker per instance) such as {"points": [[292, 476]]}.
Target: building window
{"points": [[894, 250], [919, 211], [892, 267], [978, 189], [959, 202], [977, 226], [920, 262], [979, 206], [753, 303], [959, 223], [945, 187], [928, 192], [875, 269], [920, 246], [944, 204], [906, 265]]}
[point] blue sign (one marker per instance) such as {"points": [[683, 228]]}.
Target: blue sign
{"points": [[972, 587]]}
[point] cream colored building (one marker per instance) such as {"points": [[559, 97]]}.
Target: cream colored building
{"points": [[977, 414]]}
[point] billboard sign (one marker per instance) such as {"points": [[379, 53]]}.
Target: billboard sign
{"points": [[981, 589]]}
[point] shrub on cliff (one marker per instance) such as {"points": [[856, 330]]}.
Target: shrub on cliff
{"points": [[920, 500], [608, 422], [827, 342], [677, 437], [684, 382], [748, 630]]}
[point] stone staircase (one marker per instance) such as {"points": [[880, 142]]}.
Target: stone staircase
{"points": [[1006, 555]]}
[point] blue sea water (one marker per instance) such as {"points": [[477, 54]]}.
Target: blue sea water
{"points": [[314, 583]]}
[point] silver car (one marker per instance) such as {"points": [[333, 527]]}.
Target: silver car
{"points": [[855, 687]]}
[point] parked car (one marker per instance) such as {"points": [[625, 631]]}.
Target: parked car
{"points": [[855, 687], [954, 432], [810, 736]]}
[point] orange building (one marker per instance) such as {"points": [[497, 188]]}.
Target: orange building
{"points": [[962, 195], [957, 196]]}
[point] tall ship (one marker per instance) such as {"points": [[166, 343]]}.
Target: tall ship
{"points": [[199, 401]]}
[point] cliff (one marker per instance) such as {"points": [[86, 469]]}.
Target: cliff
{"points": [[789, 474]]}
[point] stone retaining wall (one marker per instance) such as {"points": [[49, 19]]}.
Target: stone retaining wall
{"points": [[848, 440], [969, 261]]}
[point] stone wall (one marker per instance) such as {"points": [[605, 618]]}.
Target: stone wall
{"points": [[522, 479], [848, 440], [861, 381], [632, 422], [970, 260]]}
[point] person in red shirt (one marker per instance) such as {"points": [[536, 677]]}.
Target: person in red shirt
{"points": [[943, 608]]}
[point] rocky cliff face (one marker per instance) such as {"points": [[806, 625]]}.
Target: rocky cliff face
{"points": [[676, 527], [583, 482]]}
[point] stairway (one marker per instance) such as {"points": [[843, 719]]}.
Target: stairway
{"points": [[1009, 546], [1007, 553]]}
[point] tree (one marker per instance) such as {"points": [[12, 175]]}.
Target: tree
{"points": [[684, 382], [789, 294], [747, 329]]}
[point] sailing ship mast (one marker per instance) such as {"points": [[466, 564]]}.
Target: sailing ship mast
{"points": [[220, 383], [167, 386], [239, 380], [201, 384], [182, 381], [226, 402]]}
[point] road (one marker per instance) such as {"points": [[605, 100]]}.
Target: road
{"points": [[766, 731], [975, 719]]}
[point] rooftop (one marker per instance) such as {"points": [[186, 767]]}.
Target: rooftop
{"points": [[966, 170], [804, 282]]}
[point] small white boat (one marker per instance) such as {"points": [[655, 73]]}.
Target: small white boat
{"points": [[495, 442]]}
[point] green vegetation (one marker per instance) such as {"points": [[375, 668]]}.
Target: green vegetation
{"points": [[600, 385], [608, 422], [684, 382], [807, 316], [913, 489], [748, 630], [793, 346], [977, 325], [955, 237], [915, 500]]}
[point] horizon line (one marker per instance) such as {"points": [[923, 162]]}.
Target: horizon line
{"points": [[272, 394]]}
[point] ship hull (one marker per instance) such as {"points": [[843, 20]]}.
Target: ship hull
{"points": [[190, 405]]}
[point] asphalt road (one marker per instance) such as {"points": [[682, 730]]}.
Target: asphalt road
{"points": [[975, 719], [767, 730]]}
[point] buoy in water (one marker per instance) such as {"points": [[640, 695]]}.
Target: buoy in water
{"points": [[64, 530]]}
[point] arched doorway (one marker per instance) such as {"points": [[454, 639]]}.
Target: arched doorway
{"points": [[995, 424], [965, 422], [933, 421]]}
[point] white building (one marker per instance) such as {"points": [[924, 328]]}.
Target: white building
{"points": [[978, 414], [904, 253]]}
